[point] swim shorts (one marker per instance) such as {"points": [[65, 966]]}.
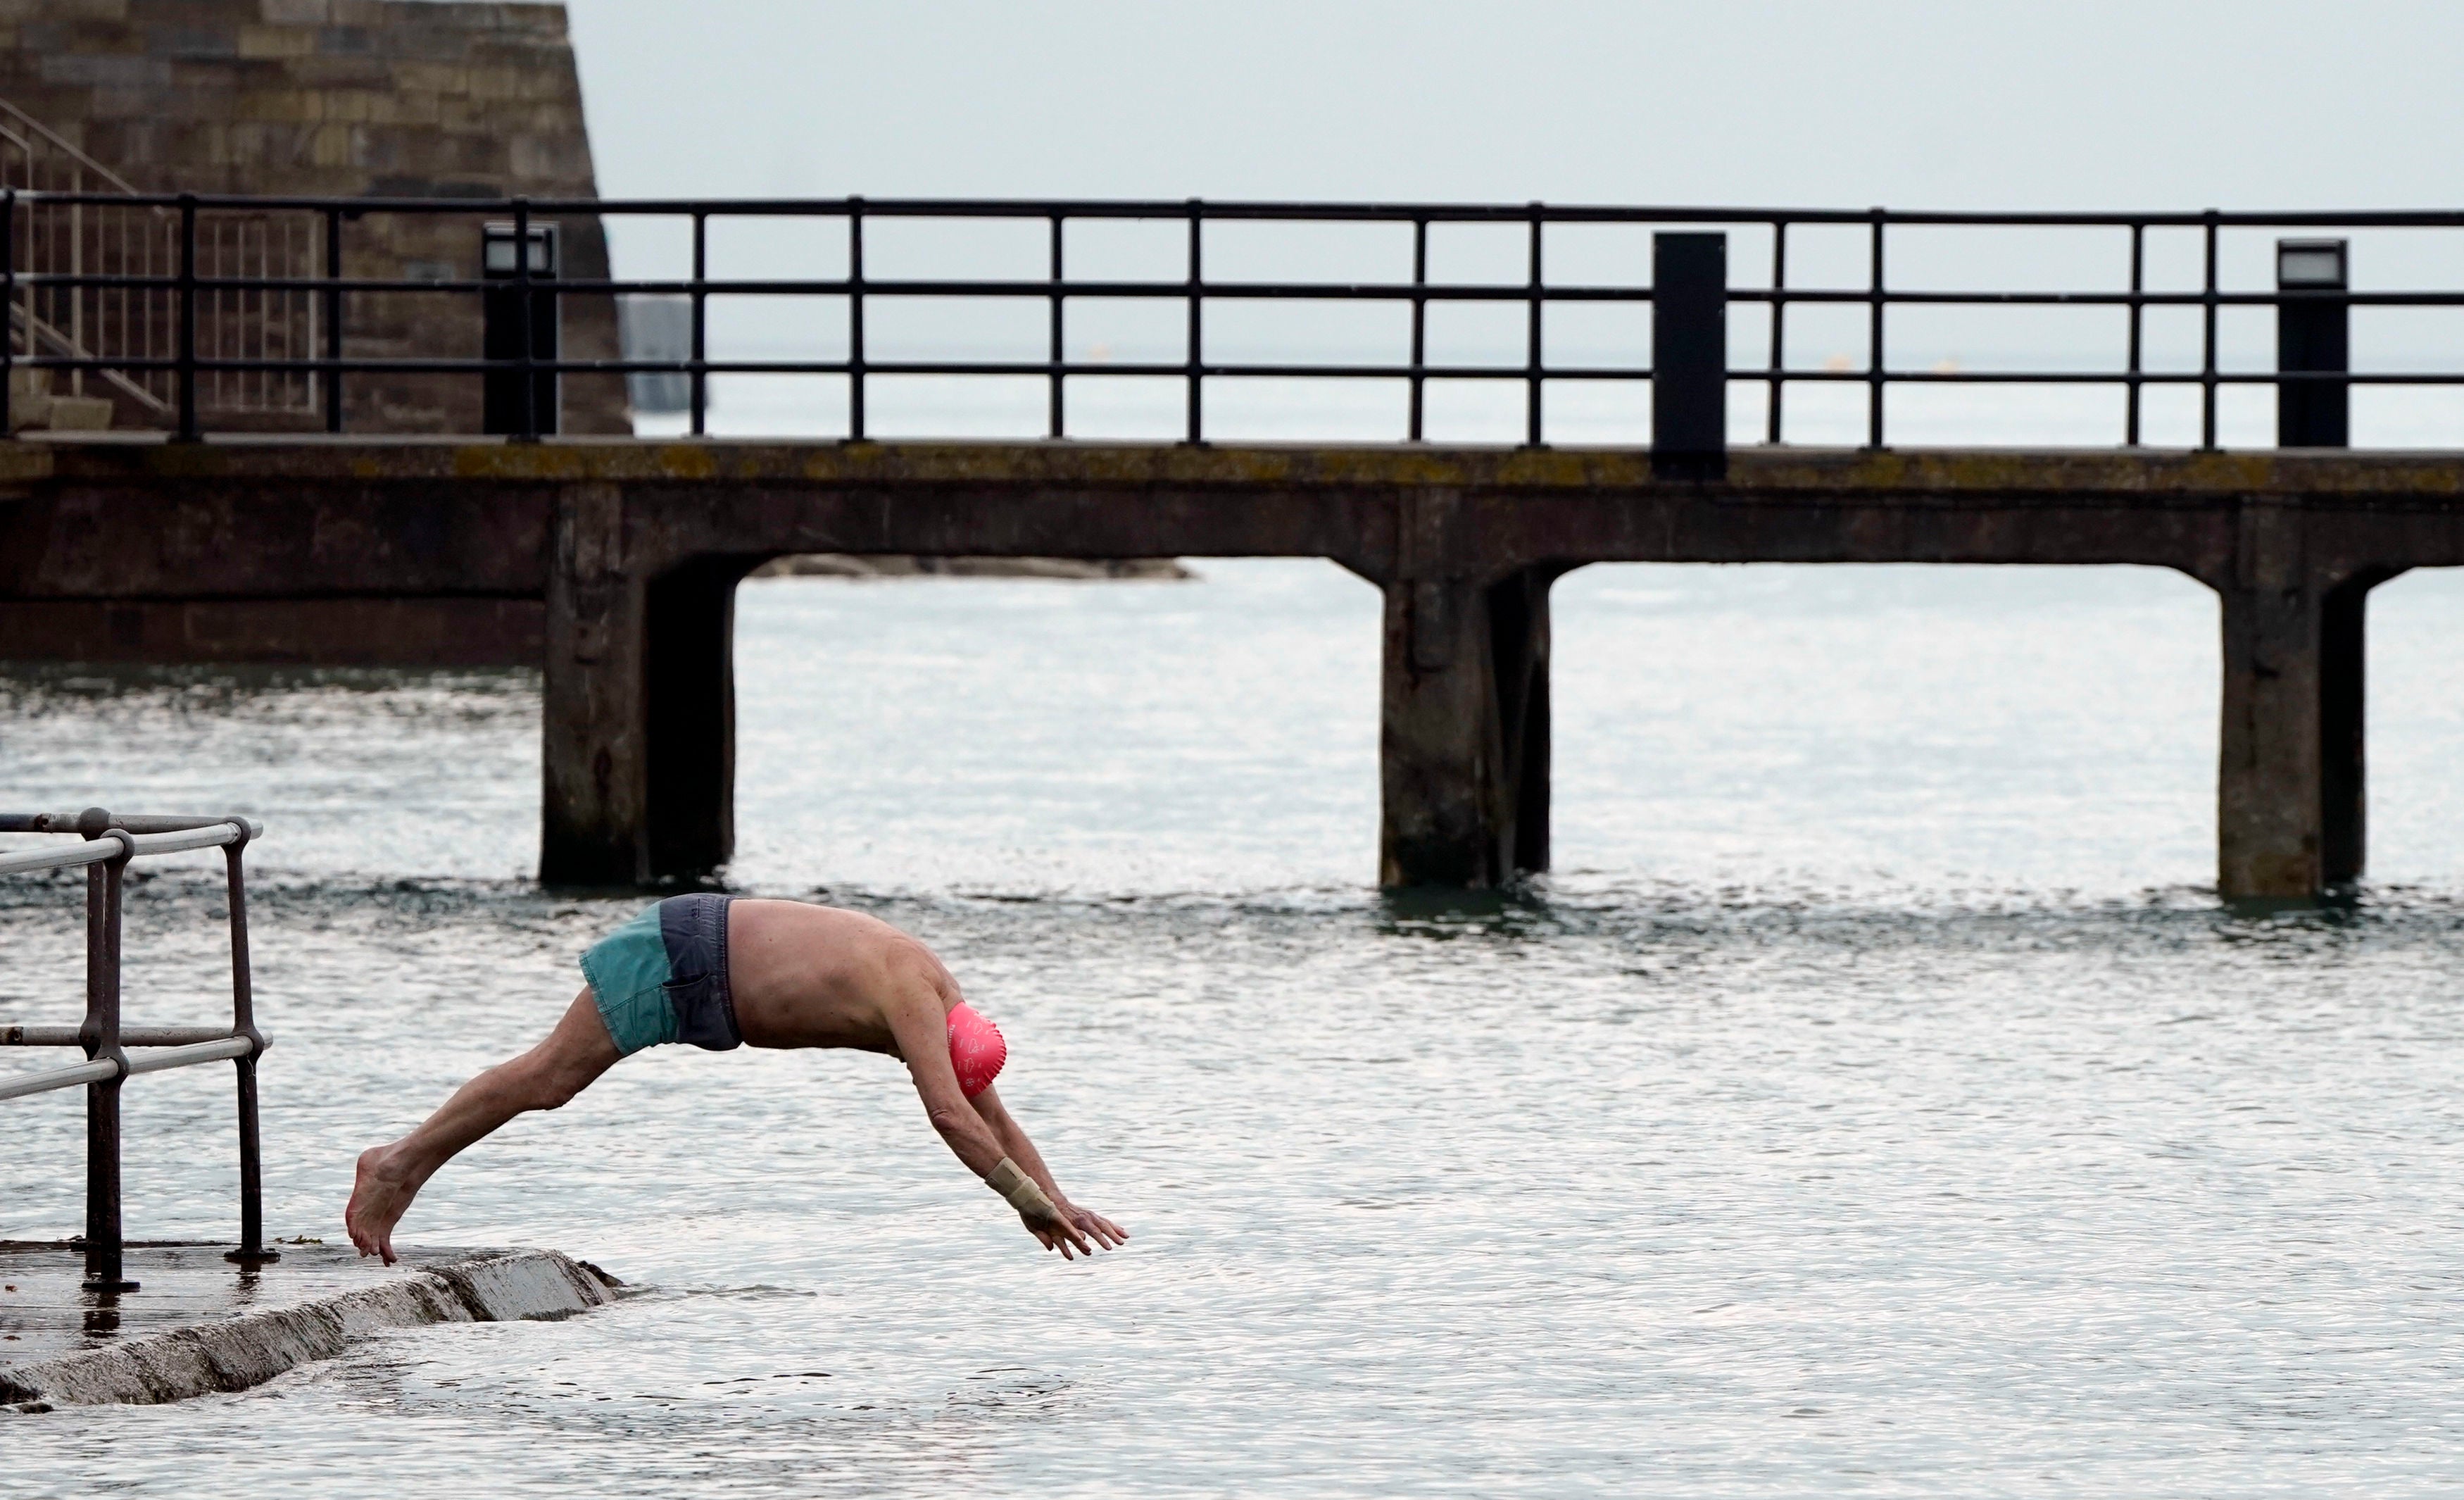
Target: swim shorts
{"points": [[662, 977]]}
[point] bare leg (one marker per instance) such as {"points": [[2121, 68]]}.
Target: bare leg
{"points": [[543, 1078]]}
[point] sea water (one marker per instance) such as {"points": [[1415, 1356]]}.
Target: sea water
{"points": [[1874, 1100]]}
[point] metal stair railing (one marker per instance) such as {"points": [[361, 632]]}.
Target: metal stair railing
{"points": [[128, 329], [109, 843]]}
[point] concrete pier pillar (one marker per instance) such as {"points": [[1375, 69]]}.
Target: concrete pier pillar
{"points": [[639, 712], [1463, 744], [2290, 791], [594, 815]]}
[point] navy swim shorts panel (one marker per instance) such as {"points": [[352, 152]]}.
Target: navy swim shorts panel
{"points": [[694, 929]]}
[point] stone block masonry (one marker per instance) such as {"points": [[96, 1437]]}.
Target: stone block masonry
{"points": [[330, 98], [344, 99]]}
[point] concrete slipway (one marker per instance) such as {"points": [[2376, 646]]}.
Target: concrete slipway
{"points": [[199, 1324]]}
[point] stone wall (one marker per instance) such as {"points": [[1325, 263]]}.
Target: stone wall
{"points": [[345, 99]]}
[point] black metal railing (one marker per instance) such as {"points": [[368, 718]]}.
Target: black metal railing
{"points": [[1535, 292], [109, 843]]}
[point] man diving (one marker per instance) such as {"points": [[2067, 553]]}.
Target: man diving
{"points": [[717, 971]]}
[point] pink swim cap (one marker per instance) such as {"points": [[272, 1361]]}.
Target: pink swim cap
{"points": [[977, 1050]]}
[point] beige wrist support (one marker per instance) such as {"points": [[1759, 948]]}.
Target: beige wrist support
{"points": [[1020, 1190]]}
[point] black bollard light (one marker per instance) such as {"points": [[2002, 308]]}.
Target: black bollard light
{"points": [[2313, 337], [1689, 356], [513, 310]]}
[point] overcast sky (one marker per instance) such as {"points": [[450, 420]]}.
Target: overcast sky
{"points": [[2085, 104]]}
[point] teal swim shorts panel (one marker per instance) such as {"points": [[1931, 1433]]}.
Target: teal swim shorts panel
{"points": [[627, 970]]}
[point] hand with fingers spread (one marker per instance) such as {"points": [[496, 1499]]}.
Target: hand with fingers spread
{"points": [[1065, 1226], [1095, 1227]]}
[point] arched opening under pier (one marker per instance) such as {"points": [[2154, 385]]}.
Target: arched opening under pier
{"points": [[2415, 721], [1029, 735], [1846, 726]]}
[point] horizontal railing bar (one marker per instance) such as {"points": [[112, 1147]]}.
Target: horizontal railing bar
{"points": [[1248, 291], [95, 851], [133, 822], [1244, 210], [70, 857], [129, 1036], [17, 1087], [191, 1056], [1181, 369], [212, 836]]}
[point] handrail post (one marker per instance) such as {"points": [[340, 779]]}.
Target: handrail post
{"points": [[104, 1271], [188, 432], [2208, 340], [9, 312], [2138, 309], [1412, 425], [1055, 414], [530, 422], [1195, 432], [334, 321], [1531, 338], [1777, 379], [855, 319], [253, 1251], [1875, 369], [700, 312]]}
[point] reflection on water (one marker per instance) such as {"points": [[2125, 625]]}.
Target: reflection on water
{"points": [[1872, 1101]]}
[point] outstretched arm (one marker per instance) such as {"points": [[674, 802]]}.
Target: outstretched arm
{"points": [[921, 1029], [1017, 1147]]}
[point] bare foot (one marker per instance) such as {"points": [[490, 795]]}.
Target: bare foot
{"points": [[378, 1200]]}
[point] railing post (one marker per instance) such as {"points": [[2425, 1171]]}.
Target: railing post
{"points": [[700, 299], [1776, 380], [1194, 430], [1419, 329], [188, 370], [2138, 310], [2207, 339], [8, 311], [855, 319], [251, 1249], [1056, 417], [529, 408], [2313, 335], [1874, 366], [1689, 356], [104, 1271], [334, 321], [1531, 337]]}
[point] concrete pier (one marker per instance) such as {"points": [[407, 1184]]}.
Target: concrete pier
{"points": [[633, 549], [197, 1324]]}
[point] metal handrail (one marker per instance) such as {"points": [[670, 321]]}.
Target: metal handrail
{"points": [[1530, 289], [110, 844], [20, 861], [62, 145], [58, 1078]]}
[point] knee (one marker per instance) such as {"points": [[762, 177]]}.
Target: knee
{"points": [[541, 1086], [554, 1090]]}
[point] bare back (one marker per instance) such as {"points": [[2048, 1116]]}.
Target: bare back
{"points": [[817, 975]]}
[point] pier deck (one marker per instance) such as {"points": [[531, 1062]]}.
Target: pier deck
{"points": [[629, 550]]}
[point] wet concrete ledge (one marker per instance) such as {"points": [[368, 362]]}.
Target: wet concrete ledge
{"points": [[199, 1324]]}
